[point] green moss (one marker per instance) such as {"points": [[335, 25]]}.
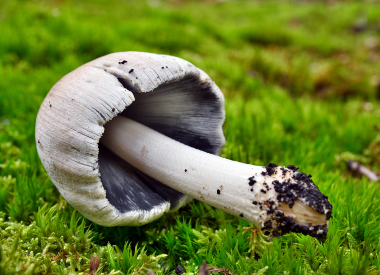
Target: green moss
{"points": [[301, 84]]}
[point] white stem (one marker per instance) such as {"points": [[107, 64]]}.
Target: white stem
{"points": [[217, 181], [220, 182]]}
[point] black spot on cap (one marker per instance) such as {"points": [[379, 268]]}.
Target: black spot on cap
{"points": [[131, 71], [218, 192]]}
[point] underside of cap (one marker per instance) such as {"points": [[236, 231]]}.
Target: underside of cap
{"points": [[172, 96]]}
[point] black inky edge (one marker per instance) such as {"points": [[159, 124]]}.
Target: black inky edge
{"points": [[208, 105], [199, 94], [128, 189]]}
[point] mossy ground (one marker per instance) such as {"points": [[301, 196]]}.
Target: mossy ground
{"points": [[302, 86]]}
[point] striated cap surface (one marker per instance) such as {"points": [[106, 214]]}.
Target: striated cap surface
{"points": [[163, 92]]}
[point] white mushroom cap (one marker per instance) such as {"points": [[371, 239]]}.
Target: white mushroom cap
{"points": [[172, 96]]}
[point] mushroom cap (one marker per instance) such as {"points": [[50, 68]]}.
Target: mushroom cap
{"points": [[169, 95]]}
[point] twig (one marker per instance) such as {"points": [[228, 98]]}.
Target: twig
{"points": [[203, 270], [357, 167], [94, 264], [224, 271]]}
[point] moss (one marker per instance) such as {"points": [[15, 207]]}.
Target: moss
{"points": [[301, 84]]}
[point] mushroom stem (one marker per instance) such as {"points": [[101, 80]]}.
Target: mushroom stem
{"points": [[251, 192]]}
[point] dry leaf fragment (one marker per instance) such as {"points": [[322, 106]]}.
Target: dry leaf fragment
{"points": [[224, 271], [203, 270]]}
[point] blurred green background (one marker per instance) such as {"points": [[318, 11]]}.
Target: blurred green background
{"points": [[302, 86]]}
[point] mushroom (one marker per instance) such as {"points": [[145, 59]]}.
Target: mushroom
{"points": [[130, 136]]}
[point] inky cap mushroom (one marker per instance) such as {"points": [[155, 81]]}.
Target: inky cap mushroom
{"points": [[130, 136]]}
